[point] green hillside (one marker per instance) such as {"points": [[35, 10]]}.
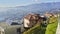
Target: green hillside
{"points": [[37, 29], [50, 29]]}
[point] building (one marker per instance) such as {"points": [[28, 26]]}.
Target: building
{"points": [[30, 20], [50, 14]]}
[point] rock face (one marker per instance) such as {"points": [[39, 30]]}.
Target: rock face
{"points": [[58, 28], [2, 30]]}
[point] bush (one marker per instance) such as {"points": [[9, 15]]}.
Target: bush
{"points": [[39, 29], [51, 28]]}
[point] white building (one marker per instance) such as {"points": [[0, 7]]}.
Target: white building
{"points": [[29, 20]]}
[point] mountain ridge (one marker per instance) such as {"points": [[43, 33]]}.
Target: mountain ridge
{"points": [[20, 11]]}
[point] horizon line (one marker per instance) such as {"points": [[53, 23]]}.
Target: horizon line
{"points": [[23, 5]]}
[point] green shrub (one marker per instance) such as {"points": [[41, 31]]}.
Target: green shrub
{"points": [[51, 28], [39, 29]]}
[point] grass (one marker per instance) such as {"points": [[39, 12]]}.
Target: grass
{"points": [[33, 30], [37, 29], [51, 28]]}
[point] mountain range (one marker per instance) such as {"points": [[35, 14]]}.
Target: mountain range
{"points": [[18, 12]]}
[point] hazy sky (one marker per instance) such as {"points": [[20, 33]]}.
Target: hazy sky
{"points": [[13, 3]]}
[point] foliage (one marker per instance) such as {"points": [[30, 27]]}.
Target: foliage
{"points": [[50, 29], [36, 30]]}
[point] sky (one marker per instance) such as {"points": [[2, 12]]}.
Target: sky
{"points": [[13, 3]]}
